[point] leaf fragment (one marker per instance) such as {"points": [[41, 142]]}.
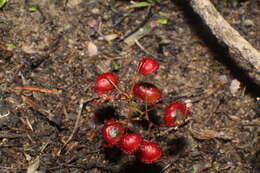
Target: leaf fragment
{"points": [[2, 3], [140, 4], [162, 21], [32, 9], [10, 45], [92, 49]]}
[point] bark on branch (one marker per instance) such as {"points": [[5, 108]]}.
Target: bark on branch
{"points": [[240, 49]]}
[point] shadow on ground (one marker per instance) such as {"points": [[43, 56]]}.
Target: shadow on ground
{"points": [[105, 112], [138, 167]]}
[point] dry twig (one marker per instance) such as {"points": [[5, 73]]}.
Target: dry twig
{"points": [[43, 90], [77, 123], [240, 49], [76, 126]]}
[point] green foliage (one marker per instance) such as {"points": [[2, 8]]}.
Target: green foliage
{"points": [[162, 21], [2, 3], [32, 9], [10, 45]]}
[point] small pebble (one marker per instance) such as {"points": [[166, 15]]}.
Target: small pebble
{"points": [[188, 103], [4, 109], [95, 11], [234, 86], [223, 79], [111, 37], [92, 49], [248, 23]]}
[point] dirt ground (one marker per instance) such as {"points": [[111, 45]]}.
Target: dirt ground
{"points": [[50, 49]]}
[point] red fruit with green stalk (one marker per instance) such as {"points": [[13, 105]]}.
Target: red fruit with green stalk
{"points": [[105, 83], [175, 114], [130, 143], [146, 93], [149, 152], [112, 132], [147, 66]]}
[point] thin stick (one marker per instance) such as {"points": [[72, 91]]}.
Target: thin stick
{"points": [[118, 89], [167, 131], [76, 126], [139, 31], [47, 114], [43, 90], [141, 47], [135, 78], [5, 115]]}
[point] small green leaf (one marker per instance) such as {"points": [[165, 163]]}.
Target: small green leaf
{"points": [[10, 45], [2, 3], [140, 5], [115, 66], [162, 21], [32, 9]]}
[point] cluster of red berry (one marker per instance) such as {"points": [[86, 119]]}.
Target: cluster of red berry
{"points": [[115, 133]]}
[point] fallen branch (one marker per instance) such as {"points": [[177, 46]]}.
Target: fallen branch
{"points": [[240, 49]]}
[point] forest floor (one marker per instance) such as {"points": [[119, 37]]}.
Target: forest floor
{"points": [[47, 45]]}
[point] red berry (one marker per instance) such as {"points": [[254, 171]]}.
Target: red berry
{"points": [[147, 66], [146, 92], [112, 132], [175, 114], [130, 143], [105, 82], [149, 152]]}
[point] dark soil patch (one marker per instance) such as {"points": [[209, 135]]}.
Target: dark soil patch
{"points": [[221, 135]]}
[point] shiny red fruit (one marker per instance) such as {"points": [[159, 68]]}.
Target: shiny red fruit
{"points": [[147, 66], [149, 152], [112, 132], [105, 82], [175, 114], [130, 143], [146, 93]]}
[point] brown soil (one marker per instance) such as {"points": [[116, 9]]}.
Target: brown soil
{"points": [[220, 135]]}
